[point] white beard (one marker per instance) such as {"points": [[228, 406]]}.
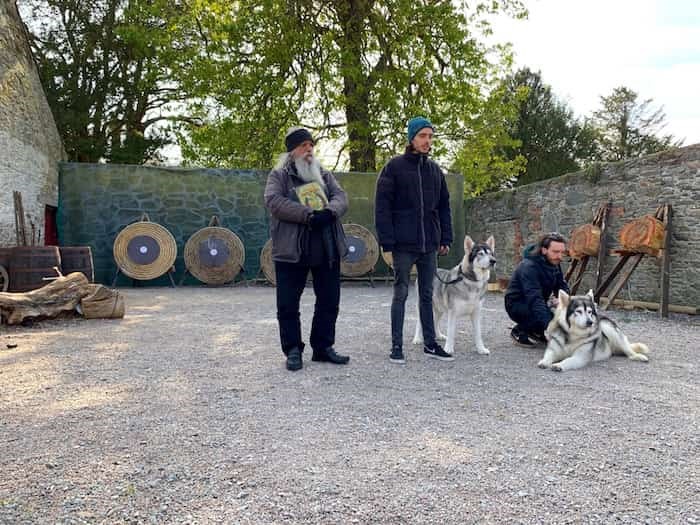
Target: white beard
{"points": [[308, 171]]}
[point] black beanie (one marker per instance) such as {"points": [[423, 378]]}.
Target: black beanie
{"points": [[295, 137]]}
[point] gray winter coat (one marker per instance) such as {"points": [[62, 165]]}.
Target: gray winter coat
{"points": [[289, 218]]}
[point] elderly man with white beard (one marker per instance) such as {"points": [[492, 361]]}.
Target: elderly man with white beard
{"points": [[306, 203]]}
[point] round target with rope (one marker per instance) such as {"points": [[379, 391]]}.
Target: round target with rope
{"points": [[144, 250], [363, 251], [389, 260], [214, 255], [267, 264], [4, 279]]}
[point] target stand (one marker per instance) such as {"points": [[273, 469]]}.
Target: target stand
{"points": [[214, 255], [145, 250], [363, 253]]}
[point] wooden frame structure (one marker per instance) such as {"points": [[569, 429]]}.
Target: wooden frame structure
{"points": [[578, 266], [664, 213]]}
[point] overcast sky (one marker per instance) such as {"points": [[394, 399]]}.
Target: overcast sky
{"points": [[584, 49]]}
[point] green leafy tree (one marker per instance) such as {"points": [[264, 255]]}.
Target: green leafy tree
{"points": [[102, 68], [479, 156], [549, 137], [353, 71], [630, 128]]}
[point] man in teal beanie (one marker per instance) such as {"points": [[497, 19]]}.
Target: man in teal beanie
{"points": [[413, 223], [415, 125]]}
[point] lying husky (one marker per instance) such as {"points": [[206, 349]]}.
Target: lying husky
{"points": [[459, 291], [577, 336]]}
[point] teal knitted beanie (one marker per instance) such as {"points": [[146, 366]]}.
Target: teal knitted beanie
{"points": [[416, 124]]}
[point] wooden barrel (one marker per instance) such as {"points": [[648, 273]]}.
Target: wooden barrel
{"points": [[30, 264], [77, 259], [5, 256]]}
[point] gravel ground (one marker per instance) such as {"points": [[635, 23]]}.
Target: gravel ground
{"points": [[183, 413]]}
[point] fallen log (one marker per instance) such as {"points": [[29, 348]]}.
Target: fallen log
{"points": [[60, 295], [102, 303]]}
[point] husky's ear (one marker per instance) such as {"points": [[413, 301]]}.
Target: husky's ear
{"points": [[468, 245], [563, 298], [491, 243]]}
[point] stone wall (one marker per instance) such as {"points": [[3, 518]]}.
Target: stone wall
{"points": [[635, 188], [96, 201], [30, 146]]}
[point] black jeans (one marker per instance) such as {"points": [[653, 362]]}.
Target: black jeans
{"points": [[291, 279], [425, 264]]}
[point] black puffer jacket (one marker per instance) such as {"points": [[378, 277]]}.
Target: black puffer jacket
{"points": [[531, 284], [412, 205]]}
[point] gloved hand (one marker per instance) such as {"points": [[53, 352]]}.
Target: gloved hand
{"points": [[321, 218]]}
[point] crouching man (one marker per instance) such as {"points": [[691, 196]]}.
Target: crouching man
{"points": [[536, 278]]}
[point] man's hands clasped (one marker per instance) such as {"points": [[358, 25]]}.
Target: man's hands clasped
{"points": [[321, 218]]}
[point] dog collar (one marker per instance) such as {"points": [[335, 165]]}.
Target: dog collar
{"points": [[471, 276]]}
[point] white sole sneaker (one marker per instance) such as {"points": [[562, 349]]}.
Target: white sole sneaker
{"points": [[439, 357]]}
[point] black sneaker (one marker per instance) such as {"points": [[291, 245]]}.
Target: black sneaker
{"points": [[435, 351], [521, 338], [538, 339], [397, 356]]}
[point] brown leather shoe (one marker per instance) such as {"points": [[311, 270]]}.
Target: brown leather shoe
{"points": [[329, 355]]}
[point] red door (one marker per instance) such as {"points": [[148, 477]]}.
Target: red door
{"points": [[50, 229]]}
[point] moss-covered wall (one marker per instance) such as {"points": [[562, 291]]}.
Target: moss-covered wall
{"points": [[96, 201]]}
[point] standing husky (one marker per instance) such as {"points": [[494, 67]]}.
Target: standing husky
{"points": [[577, 336], [459, 291]]}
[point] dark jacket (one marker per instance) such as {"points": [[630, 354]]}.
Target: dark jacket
{"points": [[531, 284], [412, 205], [289, 218]]}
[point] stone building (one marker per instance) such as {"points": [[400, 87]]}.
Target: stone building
{"points": [[30, 145]]}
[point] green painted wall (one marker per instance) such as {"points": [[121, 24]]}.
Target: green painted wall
{"points": [[96, 201]]}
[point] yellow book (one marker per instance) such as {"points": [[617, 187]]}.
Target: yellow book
{"points": [[312, 195]]}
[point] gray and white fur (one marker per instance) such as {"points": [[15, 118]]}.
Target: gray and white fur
{"points": [[459, 291], [578, 335]]}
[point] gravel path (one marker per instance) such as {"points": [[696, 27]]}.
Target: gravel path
{"points": [[183, 413]]}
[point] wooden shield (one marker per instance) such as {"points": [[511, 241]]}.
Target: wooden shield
{"points": [[144, 250], [214, 255]]}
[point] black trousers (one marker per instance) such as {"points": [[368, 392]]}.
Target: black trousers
{"points": [[425, 264], [521, 314], [291, 279]]}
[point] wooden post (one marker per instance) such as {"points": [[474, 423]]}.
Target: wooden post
{"points": [[666, 261], [623, 279], [603, 249], [611, 276]]}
